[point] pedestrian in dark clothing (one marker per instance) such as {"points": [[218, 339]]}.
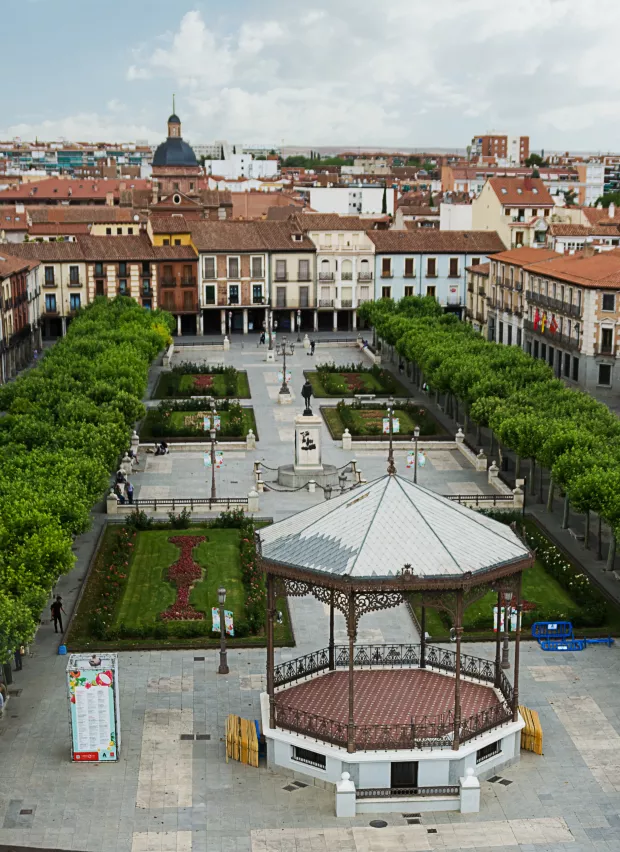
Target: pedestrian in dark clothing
{"points": [[262, 338], [129, 490], [119, 494], [57, 610], [18, 660], [401, 368], [312, 345], [120, 476]]}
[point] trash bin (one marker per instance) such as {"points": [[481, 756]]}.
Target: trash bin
{"points": [[62, 650], [7, 674]]}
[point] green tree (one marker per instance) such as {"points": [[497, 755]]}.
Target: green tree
{"points": [[384, 201], [535, 160], [608, 198]]}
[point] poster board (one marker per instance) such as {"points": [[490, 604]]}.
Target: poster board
{"points": [[94, 708]]}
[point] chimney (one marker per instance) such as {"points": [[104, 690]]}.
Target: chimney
{"points": [[588, 249], [612, 210], [109, 199], [154, 199]]}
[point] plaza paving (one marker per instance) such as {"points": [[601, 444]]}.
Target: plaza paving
{"points": [[170, 794]]}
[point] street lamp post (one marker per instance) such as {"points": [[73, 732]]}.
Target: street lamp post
{"points": [[416, 435], [229, 323], [223, 669], [298, 326], [282, 350], [270, 327], [505, 657], [213, 437], [390, 410]]}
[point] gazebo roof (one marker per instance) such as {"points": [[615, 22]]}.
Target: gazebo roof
{"points": [[373, 531]]}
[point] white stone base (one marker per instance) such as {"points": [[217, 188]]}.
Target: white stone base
{"points": [[271, 355], [438, 767], [285, 398]]}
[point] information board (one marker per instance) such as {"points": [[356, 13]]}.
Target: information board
{"points": [[92, 684]]}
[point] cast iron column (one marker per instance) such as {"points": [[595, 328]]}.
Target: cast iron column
{"points": [[498, 642], [332, 661], [352, 632], [456, 741], [515, 699], [270, 654], [423, 638]]}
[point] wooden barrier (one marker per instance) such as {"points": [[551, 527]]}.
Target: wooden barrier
{"points": [[531, 735], [241, 740]]}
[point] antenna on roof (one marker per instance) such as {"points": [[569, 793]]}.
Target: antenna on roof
{"points": [[173, 109]]}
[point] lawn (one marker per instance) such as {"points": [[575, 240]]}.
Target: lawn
{"points": [[189, 424], [137, 617], [346, 383], [369, 421], [176, 385], [551, 600]]}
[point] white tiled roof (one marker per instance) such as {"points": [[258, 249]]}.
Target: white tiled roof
{"points": [[374, 530]]}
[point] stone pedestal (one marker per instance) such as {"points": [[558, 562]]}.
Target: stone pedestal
{"points": [[135, 441], [271, 355], [470, 793], [493, 474], [481, 461], [285, 398], [308, 463], [345, 796], [346, 440], [226, 344], [250, 440], [306, 343]]}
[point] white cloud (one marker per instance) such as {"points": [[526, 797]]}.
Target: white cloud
{"points": [[81, 127], [404, 72]]}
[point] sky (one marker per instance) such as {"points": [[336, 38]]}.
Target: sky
{"points": [[351, 73]]}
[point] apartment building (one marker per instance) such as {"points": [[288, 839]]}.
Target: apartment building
{"points": [[19, 313], [345, 267], [501, 148], [233, 276], [292, 271], [62, 282], [477, 305], [430, 263], [518, 209], [506, 293], [573, 319]]}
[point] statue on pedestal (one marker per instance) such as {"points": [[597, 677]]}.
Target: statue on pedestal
{"points": [[306, 392]]}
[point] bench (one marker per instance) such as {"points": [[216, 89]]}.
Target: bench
{"points": [[365, 396], [531, 734], [577, 536]]}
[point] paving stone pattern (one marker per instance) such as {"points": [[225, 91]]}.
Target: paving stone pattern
{"points": [[171, 794]]}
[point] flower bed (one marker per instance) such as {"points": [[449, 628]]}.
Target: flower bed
{"points": [[366, 420], [554, 589], [188, 379], [183, 574], [184, 420], [350, 379], [141, 592]]}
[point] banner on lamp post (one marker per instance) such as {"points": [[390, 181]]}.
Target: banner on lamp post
{"points": [[395, 425], [228, 621], [219, 459]]}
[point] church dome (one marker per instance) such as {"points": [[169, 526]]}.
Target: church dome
{"points": [[174, 152], [174, 119]]}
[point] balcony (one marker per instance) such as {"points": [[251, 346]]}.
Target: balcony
{"points": [[480, 318], [259, 300], [188, 282], [346, 276], [49, 282], [554, 304], [325, 247], [326, 303], [74, 282], [557, 339], [233, 301], [605, 350], [346, 303], [364, 276], [168, 281], [280, 303], [470, 288], [282, 276], [326, 276]]}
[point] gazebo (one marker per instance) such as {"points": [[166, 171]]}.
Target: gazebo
{"points": [[346, 706]]}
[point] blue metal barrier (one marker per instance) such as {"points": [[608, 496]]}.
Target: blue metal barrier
{"points": [[552, 630], [569, 644]]}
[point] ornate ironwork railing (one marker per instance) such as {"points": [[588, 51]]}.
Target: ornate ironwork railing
{"points": [[390, 656], [301, 667], [420, 732], [392, 792]]}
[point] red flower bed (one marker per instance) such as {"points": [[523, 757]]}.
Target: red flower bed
{"points": [[203, 382], [184, 574], [353, 382]]}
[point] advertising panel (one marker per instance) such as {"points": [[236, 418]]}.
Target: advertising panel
{"points": [[92, 685]]}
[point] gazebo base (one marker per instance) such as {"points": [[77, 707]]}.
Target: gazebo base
{"points": [[388, 780]]}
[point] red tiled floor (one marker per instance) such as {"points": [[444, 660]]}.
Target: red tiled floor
{"points": [[386, 696]]}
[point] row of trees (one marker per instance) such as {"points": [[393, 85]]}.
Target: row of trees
{"points": [[64, 425], [546, 424]]}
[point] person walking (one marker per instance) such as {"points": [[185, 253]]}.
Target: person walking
{"points": [[57, 610], [129, 490], [18, 659], [312, 345]]}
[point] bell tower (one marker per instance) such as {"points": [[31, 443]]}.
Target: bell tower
{"points": [[174, 123]]}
